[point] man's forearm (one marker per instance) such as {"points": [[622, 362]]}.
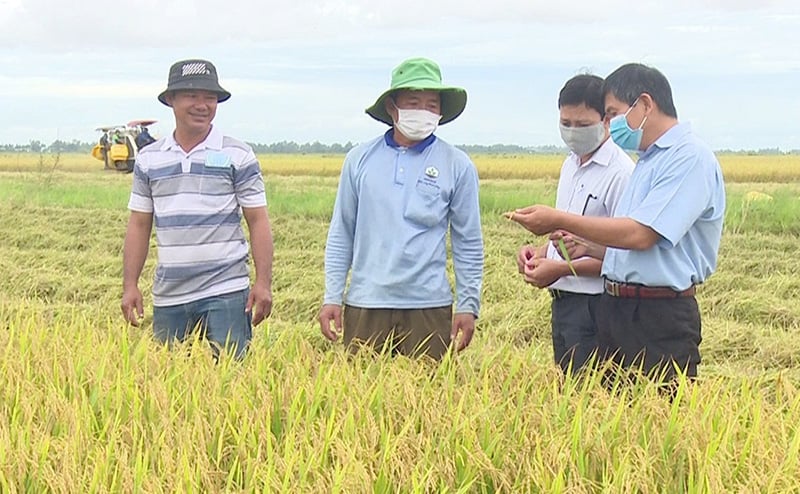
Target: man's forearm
{"points": [[262, 249], [584, 266], [468, 266], [587, 266], [621, 233], [338, 260]]}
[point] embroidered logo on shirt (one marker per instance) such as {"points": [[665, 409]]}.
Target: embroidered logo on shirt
{"points": [[216, 159], [432, 172]]}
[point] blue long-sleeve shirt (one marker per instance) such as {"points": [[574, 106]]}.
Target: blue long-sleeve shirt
{"points": [[389, 226]]}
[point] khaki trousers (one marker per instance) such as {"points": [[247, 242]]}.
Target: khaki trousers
{"points": [[410, 332]]}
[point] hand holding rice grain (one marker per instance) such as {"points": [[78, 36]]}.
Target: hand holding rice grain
{"points": [[537, 219], [559, 242]]}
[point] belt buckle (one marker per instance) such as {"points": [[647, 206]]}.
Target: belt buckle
{"points": [[614, 288]]}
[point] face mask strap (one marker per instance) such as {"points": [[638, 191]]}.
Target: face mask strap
{"points": [[641, 126], [632, 105]]}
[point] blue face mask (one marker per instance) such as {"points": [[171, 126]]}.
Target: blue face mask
{"points": [[621, 132]]}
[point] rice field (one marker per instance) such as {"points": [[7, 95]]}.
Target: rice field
{"points": [[88, 404], [737, 168]]}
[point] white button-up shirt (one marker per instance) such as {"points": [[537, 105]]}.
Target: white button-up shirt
{"points": [[591, 189]]}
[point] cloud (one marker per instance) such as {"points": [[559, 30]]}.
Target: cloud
{"points": [[55, 24], [304, 70], [41, 87]]}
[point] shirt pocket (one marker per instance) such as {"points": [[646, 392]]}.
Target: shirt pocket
{"points": [[216, 181], [425, 205]]}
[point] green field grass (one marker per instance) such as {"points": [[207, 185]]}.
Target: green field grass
{"points": [[88, 404]]}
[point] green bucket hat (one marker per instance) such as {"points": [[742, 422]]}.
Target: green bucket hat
{"points": [[421, 74]]}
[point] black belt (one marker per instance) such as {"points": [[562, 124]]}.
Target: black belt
{"points": [[556, 294]]}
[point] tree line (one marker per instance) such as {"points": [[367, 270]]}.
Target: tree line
{"points": [[282, 147], [316, 147]]}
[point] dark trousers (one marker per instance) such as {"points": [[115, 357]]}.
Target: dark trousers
{"points": [[410, 332], [655, 335], [574, 329]]}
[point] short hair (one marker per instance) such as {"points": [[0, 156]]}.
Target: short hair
{"points": [[584, 89], [629, 81]]}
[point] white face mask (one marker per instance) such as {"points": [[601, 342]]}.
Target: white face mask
{"points": [[583, 140], [416, 125]]}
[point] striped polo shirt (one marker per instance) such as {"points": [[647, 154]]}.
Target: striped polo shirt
{"points": [[196, 200]]}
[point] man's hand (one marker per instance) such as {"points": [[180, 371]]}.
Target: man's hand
{"points": [[327, 313], [134, 253], [525, 254], [577, 247], [544, 272], [537, 219], [261, 298], [132, 305], [465, 324]]}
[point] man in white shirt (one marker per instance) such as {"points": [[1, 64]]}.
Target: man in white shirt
{"points": [[592, 179], [664, 238]]}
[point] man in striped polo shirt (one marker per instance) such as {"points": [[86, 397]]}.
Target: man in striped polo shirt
{"points": [[196, 184]]}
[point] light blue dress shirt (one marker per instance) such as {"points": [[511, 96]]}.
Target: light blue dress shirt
{"points": [[676, 189], [389, 226]]}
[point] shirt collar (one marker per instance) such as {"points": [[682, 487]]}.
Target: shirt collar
{"points": [[212, 141], [419, 147], [670, 137], [602, 156]]}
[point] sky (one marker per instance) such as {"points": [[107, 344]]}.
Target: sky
{"points": [[305, 70]]}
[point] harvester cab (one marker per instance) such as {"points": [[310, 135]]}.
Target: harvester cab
{"points": [[119, 144]]}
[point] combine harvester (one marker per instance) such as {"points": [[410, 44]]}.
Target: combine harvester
{"points": [[119, 144]]}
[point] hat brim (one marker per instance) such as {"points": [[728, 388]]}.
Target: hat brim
{"points": [[453, 102], [222, 95]]}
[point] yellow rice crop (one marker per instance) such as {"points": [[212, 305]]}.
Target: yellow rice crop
{"points": [[736, 168]]}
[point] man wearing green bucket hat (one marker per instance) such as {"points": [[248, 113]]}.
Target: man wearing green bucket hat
{"points": [[398, 197]]}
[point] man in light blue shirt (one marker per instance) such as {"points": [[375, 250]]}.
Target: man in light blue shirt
{"points": [[665, 236], [398, 197]]}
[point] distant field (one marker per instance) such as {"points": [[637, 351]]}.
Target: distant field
{"points": [[777, 168], [90, 405]]}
